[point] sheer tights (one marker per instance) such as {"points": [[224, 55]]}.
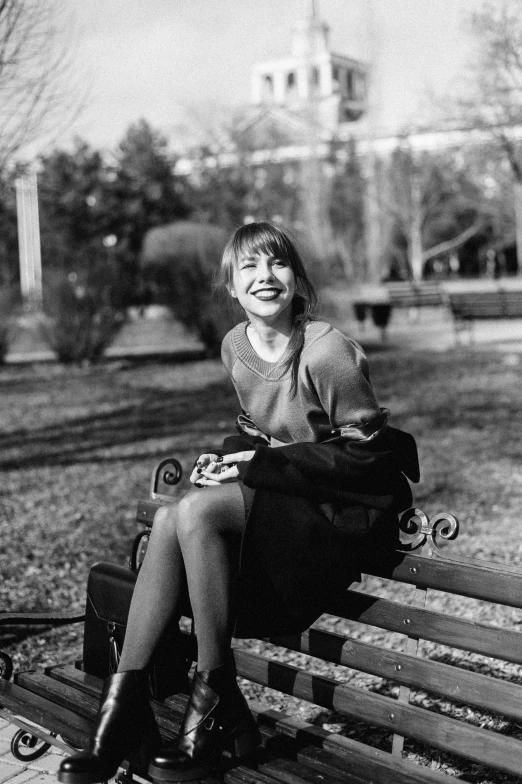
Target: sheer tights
{"points": [[197, 539]]}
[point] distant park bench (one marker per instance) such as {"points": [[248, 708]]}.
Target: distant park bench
{"points": [[469, 306], [400, 294], [414, 294], [473, 711]]}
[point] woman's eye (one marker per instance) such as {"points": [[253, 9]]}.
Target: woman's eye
{"points": [[280, 263]]}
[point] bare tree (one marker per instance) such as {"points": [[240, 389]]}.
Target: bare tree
{"points": [[39, 94], [430, 203], [494, 96]]}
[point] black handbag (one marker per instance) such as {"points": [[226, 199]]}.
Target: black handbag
{"points": [[109, 594]]}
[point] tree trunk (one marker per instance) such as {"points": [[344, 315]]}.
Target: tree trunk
{"points": [[517, 188], [372, 223], [415, 239]]}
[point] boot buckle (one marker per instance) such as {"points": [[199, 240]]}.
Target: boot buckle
{"points": [[209, 724]]}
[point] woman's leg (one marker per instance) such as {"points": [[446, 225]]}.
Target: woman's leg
{"points": [[198, 536], [157, 592], [217, 716], [210, 525]]}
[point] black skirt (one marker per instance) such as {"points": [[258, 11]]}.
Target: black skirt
{"points": [[296, 556]]}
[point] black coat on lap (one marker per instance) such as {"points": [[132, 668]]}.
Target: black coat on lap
{"points": [[320, 512]]}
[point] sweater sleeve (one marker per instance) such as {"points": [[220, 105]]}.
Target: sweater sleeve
{"points": [[361, 458], [338, 371]]}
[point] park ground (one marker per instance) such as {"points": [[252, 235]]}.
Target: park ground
{"points": [[77, 446]]}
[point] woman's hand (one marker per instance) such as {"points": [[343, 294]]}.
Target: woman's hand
{"points": [[223, 469], [203, 462]]}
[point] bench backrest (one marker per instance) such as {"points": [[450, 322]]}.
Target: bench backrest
{"points": [[445, 675], [414, 294], [500, 303]]}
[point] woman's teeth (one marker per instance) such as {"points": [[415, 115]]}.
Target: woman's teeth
{"points": [[267, 294]]}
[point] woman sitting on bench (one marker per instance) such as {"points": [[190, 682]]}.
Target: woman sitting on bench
{"points": [[283, 519]]}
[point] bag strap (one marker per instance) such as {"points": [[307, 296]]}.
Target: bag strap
{"points": [[44, 618]]}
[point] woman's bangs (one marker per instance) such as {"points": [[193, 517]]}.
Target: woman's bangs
{"points": [[263, 240]]}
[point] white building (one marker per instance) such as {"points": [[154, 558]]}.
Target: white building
{"points": [[326, 87]]}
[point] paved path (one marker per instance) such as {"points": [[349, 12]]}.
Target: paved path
{"points": [[41, 771]]}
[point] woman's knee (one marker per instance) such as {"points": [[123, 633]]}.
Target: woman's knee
{"points": [[216, 510], [194, 514], [165, 519]]}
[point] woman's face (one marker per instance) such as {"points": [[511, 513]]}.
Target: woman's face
{"points": [[264, 286]]}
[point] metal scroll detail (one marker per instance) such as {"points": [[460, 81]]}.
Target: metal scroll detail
{"points": [[162, 474], [418, 530], [27, 747]]}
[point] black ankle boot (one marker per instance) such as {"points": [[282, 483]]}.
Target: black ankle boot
{"points": [[125, 729], [217, 718]]}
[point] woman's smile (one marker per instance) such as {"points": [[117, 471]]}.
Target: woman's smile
{"points": [[267, 294], [264, 286]]}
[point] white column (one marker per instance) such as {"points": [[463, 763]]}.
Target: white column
{"points": [[279, 85], [29, 239]]}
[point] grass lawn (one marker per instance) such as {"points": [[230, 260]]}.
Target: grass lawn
{"points": [[77, 447]]}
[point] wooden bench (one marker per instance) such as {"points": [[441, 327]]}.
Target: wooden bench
{"points": [[414, 294], [400, 294], [451, 698], [469, 306]]}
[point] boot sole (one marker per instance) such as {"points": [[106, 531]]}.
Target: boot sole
{"points": [[242, 746], [181, 774], [81, 778]]}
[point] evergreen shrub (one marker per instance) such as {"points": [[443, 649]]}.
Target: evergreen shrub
{"points": [[180, 262]]}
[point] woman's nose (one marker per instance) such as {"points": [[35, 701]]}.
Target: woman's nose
{"points": [[264, 272]]}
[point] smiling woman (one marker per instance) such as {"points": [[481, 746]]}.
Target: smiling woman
{"points": [[313, 444]]}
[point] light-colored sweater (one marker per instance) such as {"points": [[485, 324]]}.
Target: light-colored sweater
{"points": [[333, 387]]}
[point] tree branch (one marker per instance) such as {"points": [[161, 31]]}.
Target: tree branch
{"points": [[445, 247]]}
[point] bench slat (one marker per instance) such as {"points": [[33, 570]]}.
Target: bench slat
{"points": [[45, 713], [71, 697], [242, 775], [323, 770], [488, 581], [457, 737], [37, 682], [429, 625], [449, 681], [363, 760]]}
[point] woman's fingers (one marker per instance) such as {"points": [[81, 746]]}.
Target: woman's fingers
{"points": [[211, 470], [224, 474], [203, 461], [203, 481], [238, 457]]}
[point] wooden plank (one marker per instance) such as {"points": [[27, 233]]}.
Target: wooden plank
{"points": [[457, 737], [323, 771], [365, 761], [429, 625], [47, 714], [243, 775], [456, 684], [328, 765], [68, 683], [480, 579], [59, 693]]}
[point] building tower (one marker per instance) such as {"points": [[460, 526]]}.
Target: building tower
{"points": [[313, 75]]}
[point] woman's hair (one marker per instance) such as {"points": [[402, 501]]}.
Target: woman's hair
{"points": [[264, 237]]}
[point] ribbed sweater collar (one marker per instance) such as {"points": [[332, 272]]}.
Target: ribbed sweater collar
{"points": [[272, 371]]}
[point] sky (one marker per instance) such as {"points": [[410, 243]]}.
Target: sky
{"points": [[178, 62]]}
